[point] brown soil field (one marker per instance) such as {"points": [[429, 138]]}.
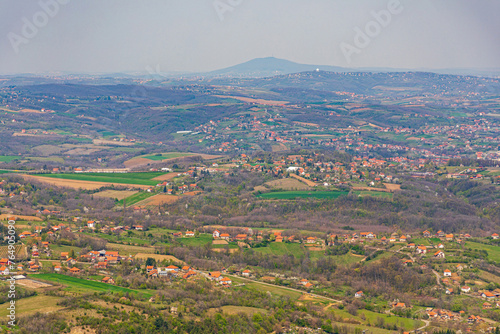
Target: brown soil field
{"points": [[280, 147], [118, 194], [129, 249], [77, 184], [32, 284], [167, 177], [315, 248], [392, 186], [287, 184], [250, 100], [372, 189], [157, 200], [19, 217], [136, 162], [193, 193], [159, 257], [219, 242], [306, 181], [111, 142], [221, 250], [307, 124]]}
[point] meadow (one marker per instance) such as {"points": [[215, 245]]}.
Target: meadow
{"points": [[303, 194], [135, 198], [8, 158], [493, 251], [118, 178], [76, 284]]}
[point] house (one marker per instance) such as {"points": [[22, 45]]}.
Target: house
{"points": [[303, 281], [487, 295], [460, 267], [215, 276], [64, 255], [189, 274], [421, 250], [153, 273], [449, 237], [108, 280], [495, 236], [216, 234], [311, 240], [139, 227], [75, 270], [439, 255], [189, 234], [225, 281], [246, 273], [400, 305], [402, 238], [172, 268], [359, 294], [427, 234], [486, 306], [440, 234], [440, 246], [57, 268], [279, 238], [102, 265], [34, 267], [241, 237], [91, 224], [149, 269], [225, 236], [20, 267], [449, 291], [447, 273], [4, 270]]}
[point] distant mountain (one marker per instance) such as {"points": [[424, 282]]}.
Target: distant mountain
{"points": [[270, 66], [267, 67]]}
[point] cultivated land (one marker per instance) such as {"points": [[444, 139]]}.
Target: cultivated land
{"points": [[116, 194], [302, 194]]}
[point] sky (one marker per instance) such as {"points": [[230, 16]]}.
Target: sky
{"points": [[109, 36]]}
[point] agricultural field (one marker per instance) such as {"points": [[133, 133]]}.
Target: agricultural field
{"points": [[287, 184], [8, 158], [235, 310], [302, 194], [75, 284], [159, 258], [493, 251], [116, 194], [35, 304], [373, 194], [156, 200], [165, 156], [145, 178], [135, 198]]}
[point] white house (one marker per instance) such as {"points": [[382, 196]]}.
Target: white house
{"points": [[447, 273], [358, 294], [216, 234]]}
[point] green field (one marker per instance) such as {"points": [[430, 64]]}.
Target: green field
{"points": [[81, 285], [135, 198], [302, 194], [34, 304], [118, 178], [380, 194], [493, 251], [165, 156], [7, 158]]}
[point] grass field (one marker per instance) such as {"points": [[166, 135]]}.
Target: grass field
{"points": [[135, 198], [493, 251], [34, 304], [8, 158], [281, 248], [234, 310], [118, 178], [303, 194], [76, 284], [287, 184], [373, 194]]}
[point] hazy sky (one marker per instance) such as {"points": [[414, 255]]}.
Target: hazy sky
{"points": [[201, 35]]}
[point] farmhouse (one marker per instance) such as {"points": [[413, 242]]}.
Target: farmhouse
{"points": [[447, 273], [421, 249], [108, 280], [439, 255], [359, 294], [216, 234], [241, 237], [495, 236], [189, 234]]}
